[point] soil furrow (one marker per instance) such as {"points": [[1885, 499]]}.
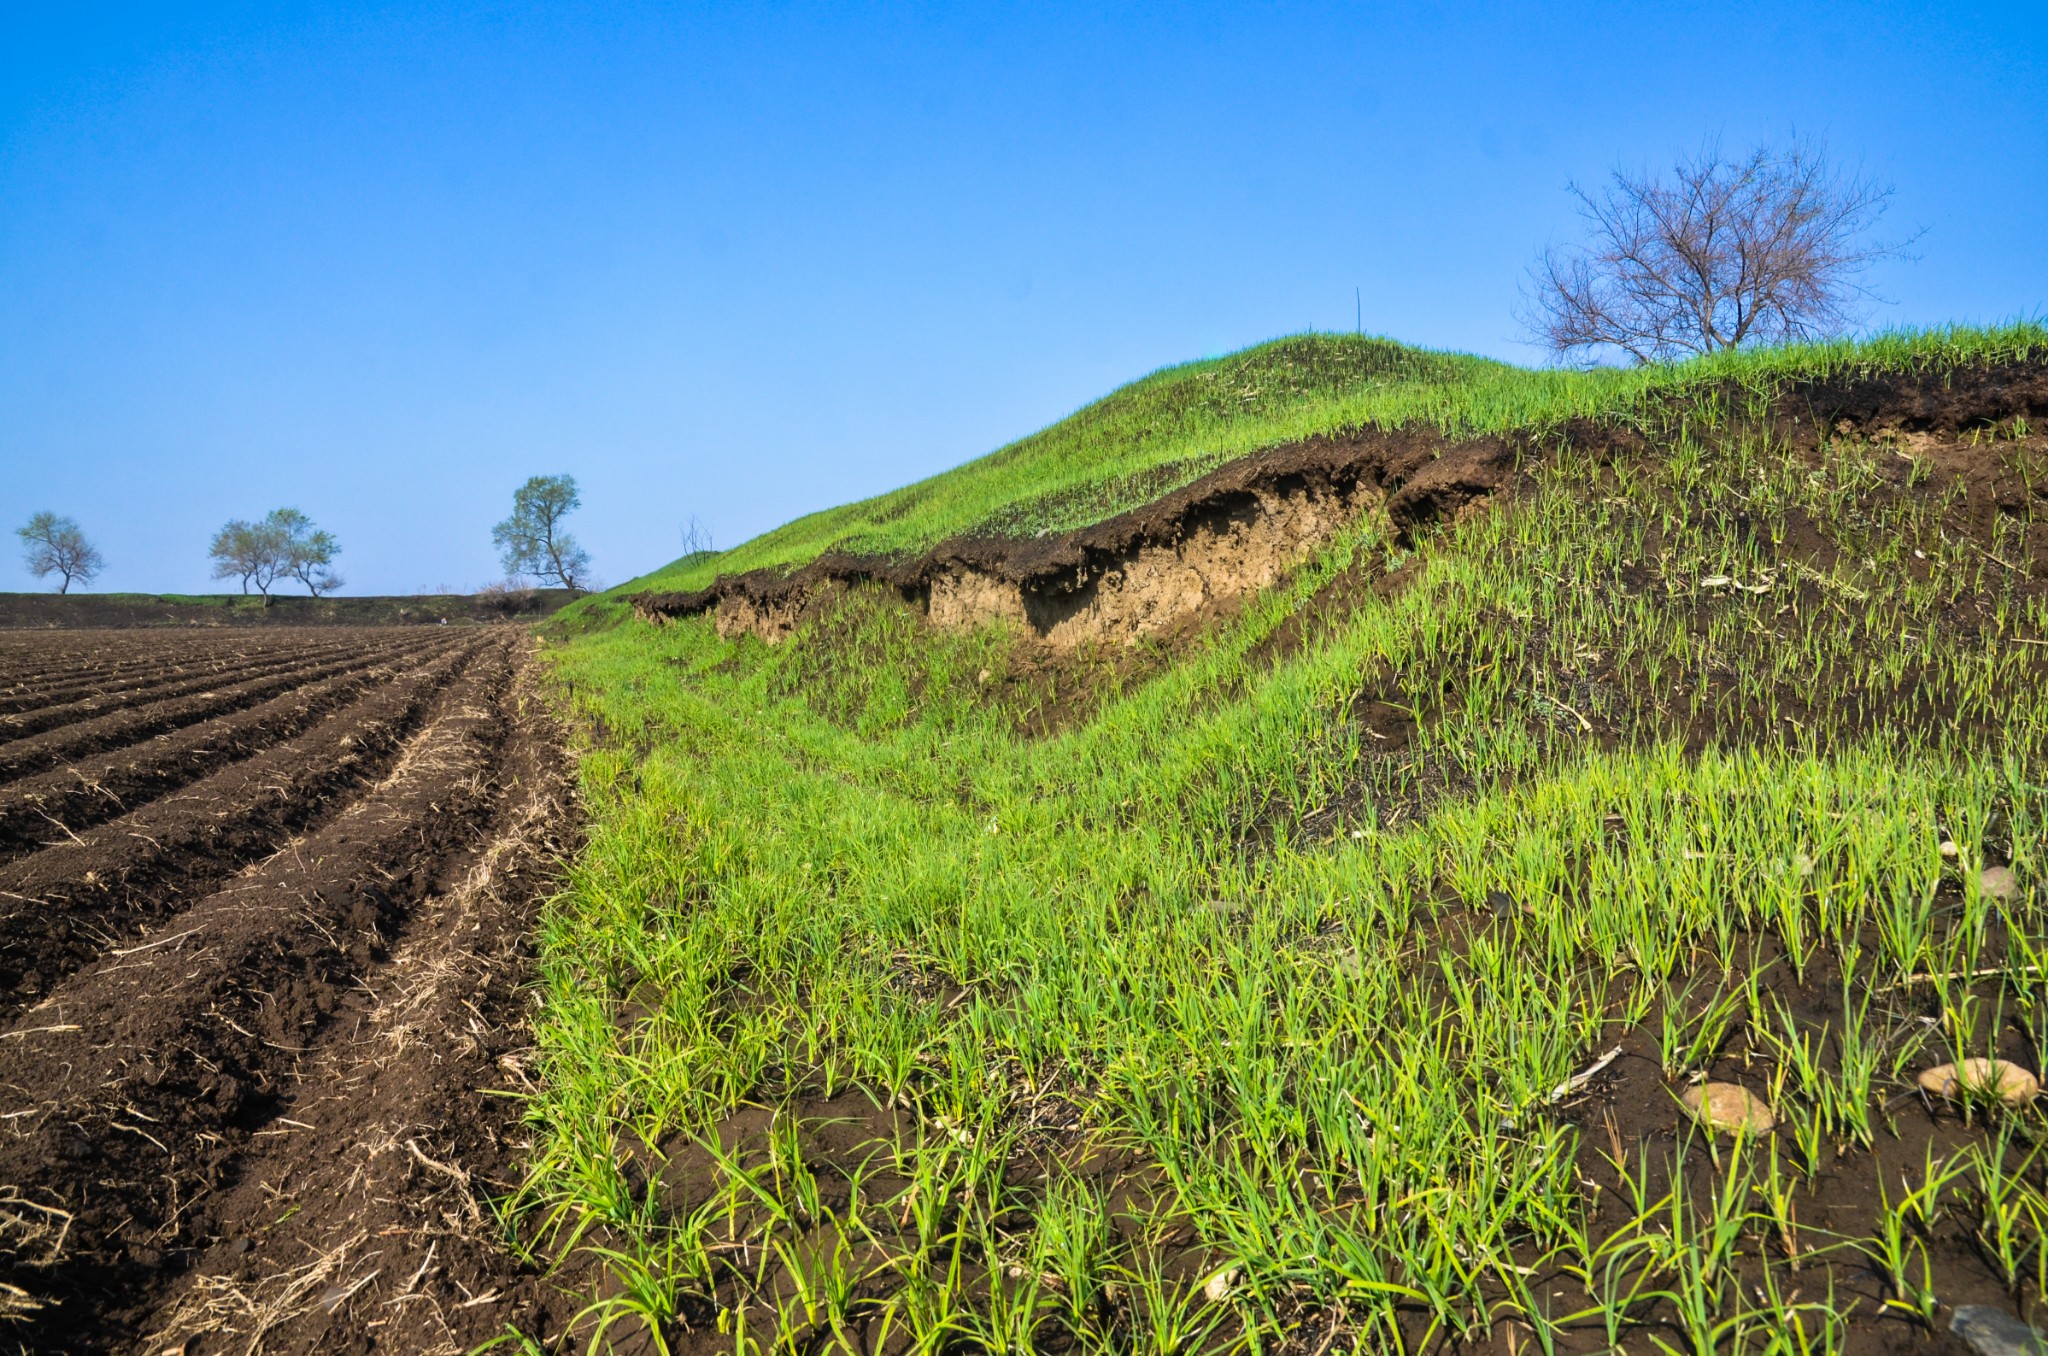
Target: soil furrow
{"points": [[77, 702], [383, 1145], [135, 1091], [68, 903], [119, 656], [68, 683], [116, 729], [30, 688], [29, 692], [27, 657], [80, 796]]}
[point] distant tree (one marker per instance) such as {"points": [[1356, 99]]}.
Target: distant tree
{"points": [[284, 545], [308, 551], [256, 553], [55, 545], [1760, 248], [532, 541]]}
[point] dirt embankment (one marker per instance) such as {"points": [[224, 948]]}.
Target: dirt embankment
{"points": [[1241, 527], [1234, 531], [261, 991]]}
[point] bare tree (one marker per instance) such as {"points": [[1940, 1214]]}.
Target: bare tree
{"points": [[532, 541], [697, 540], [55, 545], [1763, 248]]}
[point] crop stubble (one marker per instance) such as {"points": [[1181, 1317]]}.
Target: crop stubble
{"points": [[260, 942]]}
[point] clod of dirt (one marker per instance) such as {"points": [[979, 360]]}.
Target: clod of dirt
{"points": [[1728, 1106], [1994, 1332], [1998, 884], [1999, 1077]]}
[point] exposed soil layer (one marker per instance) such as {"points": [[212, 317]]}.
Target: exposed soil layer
{"points": [[257, 1011], [1240, 527]]}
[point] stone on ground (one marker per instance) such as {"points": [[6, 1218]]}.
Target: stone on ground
{"points": [[1728, 1106], [1994, 1332], [2001, 1078]]}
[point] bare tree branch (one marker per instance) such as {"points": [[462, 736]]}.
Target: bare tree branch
{"points": [[1725, 252]]}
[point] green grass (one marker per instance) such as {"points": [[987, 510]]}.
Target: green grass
{"points": [[1171, 427], [1218, 1019]]}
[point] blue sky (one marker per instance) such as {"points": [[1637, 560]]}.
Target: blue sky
{"points": [[383, 263]]}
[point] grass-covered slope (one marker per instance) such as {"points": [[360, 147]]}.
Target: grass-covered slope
{"points": [[1334, 982], [1164, 430]]}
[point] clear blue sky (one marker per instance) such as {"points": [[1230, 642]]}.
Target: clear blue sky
{"points": [[383, 263]]}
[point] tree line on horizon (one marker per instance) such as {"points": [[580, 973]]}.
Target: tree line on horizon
{"points": [[285, 544]]}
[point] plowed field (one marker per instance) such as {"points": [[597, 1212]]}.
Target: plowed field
{"points": [[263, 905]]}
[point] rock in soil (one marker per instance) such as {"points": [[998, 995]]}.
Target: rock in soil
{"points": [[2001, 1078], [1728, 1106], [1994, 1332]]}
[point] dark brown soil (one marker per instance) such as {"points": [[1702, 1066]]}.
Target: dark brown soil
{"points": [[38, 666], [104, 610], [98, 696], [259, 1016], [99, 728], [32, 700], [89, 791]]}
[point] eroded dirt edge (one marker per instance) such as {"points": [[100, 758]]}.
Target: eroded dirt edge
{"points": [[1241, 527]]}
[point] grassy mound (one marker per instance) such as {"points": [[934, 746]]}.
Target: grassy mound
{"points": [[1341, 980], [1167, 429]]}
